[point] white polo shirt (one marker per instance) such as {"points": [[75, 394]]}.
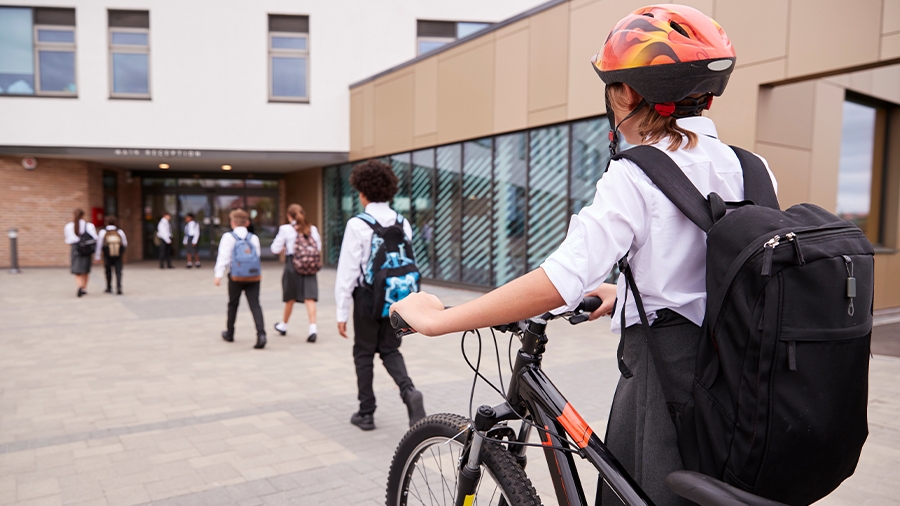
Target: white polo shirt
{"points": [[667, 252]]}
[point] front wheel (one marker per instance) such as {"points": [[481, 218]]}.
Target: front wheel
{"points": [[426, 465]]}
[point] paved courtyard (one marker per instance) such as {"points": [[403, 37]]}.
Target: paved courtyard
{"points": [[135, 399]]}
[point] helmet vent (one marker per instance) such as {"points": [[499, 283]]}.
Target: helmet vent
{"points": [[675, 26], [648, 14]]}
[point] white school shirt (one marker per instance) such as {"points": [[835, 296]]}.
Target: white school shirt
{"points": [[226, 247], [666, 251], [355, 253], [164, 231], [191, 230], [69, 231], [287, 235], [103, 234]]}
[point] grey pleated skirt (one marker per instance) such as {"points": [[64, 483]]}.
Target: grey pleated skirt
{"points": [[296, 286], [641, 433], [81, 264]]}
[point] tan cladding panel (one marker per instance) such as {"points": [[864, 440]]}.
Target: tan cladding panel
{"points": [[465, 91], [356, 121], [394, 112], [511, 50], [832, 34], [757, 29], [547, 66], [426, 99]]}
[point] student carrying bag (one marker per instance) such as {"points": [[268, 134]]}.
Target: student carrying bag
{"points": [[778, 402], [86, 243], [245, 265], [391, 271]]}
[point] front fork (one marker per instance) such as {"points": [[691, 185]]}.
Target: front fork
{"points": [[470, 471]]}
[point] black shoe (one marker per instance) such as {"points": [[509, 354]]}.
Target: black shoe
{"points": [[282, 332], [415, 407], [260, 342], [171, 267], [188, 266], [81, 292], [311, 338], [227, 337], [197, 265], [364, 422], [108, 290], [118, 291]]}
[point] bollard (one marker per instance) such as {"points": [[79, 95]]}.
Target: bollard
{"points": [[13, 253]]}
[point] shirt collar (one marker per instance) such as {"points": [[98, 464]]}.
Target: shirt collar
{"points": [[240, 230], [378, 207], [699, 125]]}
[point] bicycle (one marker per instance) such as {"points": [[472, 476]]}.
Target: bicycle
{"points": [[442, 459]]}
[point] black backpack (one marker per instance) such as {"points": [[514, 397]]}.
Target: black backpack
{"points": [[778, 402], [391, 271], [86, 243]]}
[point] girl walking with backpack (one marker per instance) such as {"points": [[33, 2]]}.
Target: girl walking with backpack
{"points": [[82, 236], [662, 65], [302, 245]]}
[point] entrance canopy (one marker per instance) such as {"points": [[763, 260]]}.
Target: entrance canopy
{"points": [[187, 160]]}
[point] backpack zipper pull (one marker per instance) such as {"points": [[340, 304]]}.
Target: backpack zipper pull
{"points": [[792, 237], [768, 251], [851, 283]]}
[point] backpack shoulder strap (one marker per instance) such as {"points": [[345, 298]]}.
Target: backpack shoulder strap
{"points": [[371, 221], [758, 186], [671, 180]]}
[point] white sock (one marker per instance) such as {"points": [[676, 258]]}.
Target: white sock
{"points": [[281, 326], [312, 328]]}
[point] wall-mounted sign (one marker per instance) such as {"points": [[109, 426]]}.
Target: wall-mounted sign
{"points": [[159, 153], [29, 162]]}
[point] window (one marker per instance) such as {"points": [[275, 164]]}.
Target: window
{"points": [[129, 54], [288, 58], [861, 172], [37, 51], [434, 34], [110, 193]]}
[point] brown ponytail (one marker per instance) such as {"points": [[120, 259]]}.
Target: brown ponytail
{"points": [[652, 126], [298, 216], [77, 215]]}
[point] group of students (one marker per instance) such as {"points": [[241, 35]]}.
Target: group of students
{"points": [[87, 245], [164, 237]]}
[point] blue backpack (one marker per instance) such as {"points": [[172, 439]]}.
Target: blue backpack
{"points": [[245, 264], [391, 271]]}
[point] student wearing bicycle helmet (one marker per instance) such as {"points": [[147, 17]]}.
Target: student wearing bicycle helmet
{"points": [[662, 66]]}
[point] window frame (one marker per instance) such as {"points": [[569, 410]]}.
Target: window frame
{"points": [[428, 38], [287, 53], [129, 49], [53, 46]]}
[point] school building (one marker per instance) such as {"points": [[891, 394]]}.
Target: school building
{"points": [[497, 135]]}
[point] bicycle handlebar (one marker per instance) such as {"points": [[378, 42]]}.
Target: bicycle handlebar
{"points": [[587, 306]]}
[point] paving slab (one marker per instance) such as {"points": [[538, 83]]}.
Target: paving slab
{"points": [[135, 399]]}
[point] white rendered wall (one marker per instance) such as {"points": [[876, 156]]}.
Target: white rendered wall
{"points": [[208, 65]]}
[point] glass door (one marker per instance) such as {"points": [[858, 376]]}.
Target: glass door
{"points": [[155, 205], [199, 206], [263, 222], [220, 224]]}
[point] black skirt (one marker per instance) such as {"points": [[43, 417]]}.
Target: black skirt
{"points": [[81, 264], [641, 433], [297, 286]]}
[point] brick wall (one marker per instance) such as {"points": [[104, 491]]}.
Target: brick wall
{"points": [[40, 202]]}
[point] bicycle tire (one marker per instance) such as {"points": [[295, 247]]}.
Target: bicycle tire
{"points": [[436, 432]]}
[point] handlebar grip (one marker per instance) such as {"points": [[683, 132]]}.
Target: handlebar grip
{"points": [[590, 304], [398, 322]]}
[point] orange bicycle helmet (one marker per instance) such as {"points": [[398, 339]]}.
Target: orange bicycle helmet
{"points": [[667, 53]]}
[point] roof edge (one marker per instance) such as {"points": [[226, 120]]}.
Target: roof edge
{"points": [[459, 42]]}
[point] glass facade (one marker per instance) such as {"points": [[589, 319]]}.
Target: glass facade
{"points": [[484, 211]]}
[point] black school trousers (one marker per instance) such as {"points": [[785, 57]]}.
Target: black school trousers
{"points": [[374, 335], [165, 254], [251, 290], [113, 264]]}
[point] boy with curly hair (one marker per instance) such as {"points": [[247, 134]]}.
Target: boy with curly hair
{"points": [[377, 184]]}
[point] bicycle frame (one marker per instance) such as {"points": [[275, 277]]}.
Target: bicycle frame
{"points": [[532, 394]]}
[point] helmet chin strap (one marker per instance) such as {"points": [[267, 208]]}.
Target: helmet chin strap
{"points": [[614, 127]]}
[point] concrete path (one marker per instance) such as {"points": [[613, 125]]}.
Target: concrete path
{"points": [[135, 399]]}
